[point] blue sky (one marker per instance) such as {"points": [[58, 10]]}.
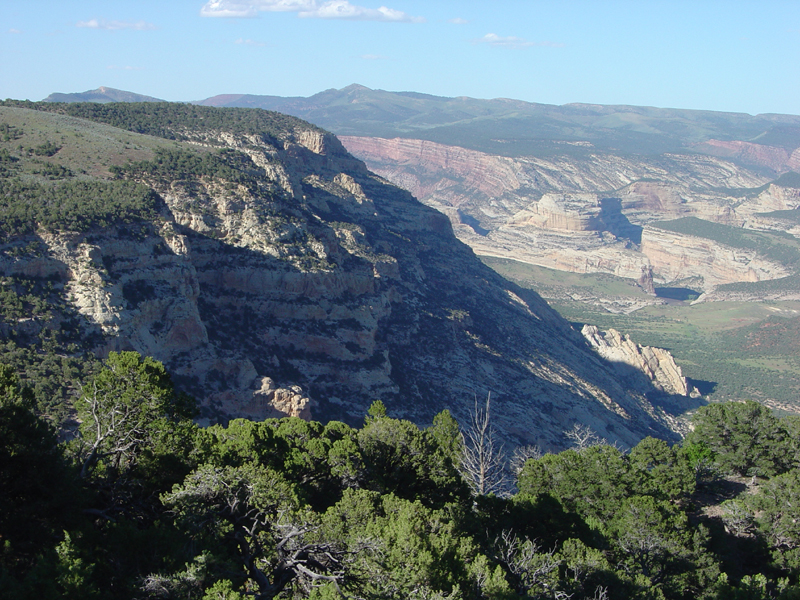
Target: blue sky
{"points": [[741, 56]]}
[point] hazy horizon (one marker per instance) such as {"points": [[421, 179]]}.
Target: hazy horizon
{"points": [[721, 56]]}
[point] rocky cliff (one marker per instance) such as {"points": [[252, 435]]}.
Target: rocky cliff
{"points": [[656, 364], [678, 256], [294, 281], [591, 211]]}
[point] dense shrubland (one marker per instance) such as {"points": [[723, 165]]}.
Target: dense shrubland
{"points": [[72, 205], [180, 165], [142, 503]]}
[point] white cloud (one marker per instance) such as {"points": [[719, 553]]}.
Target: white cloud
{"points": [[251, 8], [249, 42], [126, 68], [458, 21], [15, 31], [342, 9], [493, 39], [115, 25], [373, 57], [331, 9]]}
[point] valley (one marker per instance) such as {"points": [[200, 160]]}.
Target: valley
{"points": [[648, 221], [621, 253], [257, 351], [644, 220], [715, 343], [274, 275]]}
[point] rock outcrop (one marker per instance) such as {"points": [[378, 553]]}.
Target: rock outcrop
{"points": [[677, 256], [565, 212], [654, 363]]}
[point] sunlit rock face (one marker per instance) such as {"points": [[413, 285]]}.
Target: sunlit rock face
{"points": [[677, 256], [656, 364], [595, 211], [325, 288]]}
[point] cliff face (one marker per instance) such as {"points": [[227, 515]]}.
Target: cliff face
{"points": [[656, 364], [326, 288], [590, 211], [678, 256], [775, 158]]}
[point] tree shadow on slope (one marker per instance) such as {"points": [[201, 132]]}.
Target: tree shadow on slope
{"points": [[672, 404]]}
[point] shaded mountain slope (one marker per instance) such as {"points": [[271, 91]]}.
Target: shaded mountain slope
{"points": [[275, 275]]}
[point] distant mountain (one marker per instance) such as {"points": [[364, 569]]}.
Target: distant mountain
{"points": [[516, 128], [102, 95]]}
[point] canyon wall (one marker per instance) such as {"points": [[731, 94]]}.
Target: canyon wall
{"points": [[321, 288], [589, 211]]}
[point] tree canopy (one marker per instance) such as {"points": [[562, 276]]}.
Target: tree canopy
{"points": [[146, 504]]}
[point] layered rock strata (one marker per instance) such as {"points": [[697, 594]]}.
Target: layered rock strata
{"points": [[324, 289], [656, 364], [678, 256], [590, 211]]}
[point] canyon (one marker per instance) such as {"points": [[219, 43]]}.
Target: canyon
{"points": [[578, 188], [312, 289], [590, 214], [692, 205]]}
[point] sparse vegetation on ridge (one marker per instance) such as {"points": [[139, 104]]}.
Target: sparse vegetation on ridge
{"points": [[171, 120]]}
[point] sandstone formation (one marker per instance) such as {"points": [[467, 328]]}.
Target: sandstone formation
{"points": [[326, 288], [775, 158], [774, 198], [566, 212], [678, 256], [593, 211], [655, 363]]}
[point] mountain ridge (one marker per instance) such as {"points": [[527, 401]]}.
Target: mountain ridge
{"points": [[282, 277], [102, 94], [359, 111]]}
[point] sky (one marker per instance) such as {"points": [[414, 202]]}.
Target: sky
{"points": [[731, 55]]}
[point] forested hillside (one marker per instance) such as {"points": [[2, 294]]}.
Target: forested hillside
{"points": [[143, 503]]}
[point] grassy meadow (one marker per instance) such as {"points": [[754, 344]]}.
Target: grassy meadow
{"points": [[730, 350]]}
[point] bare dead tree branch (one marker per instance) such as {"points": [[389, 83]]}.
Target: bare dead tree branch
{"points": [[583, 436], [520, 455], [482, 459]]}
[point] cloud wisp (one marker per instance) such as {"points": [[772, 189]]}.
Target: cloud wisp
{"points": [[125, 68], [492, 39], [249, 42], [115, 25], [307, 9]]}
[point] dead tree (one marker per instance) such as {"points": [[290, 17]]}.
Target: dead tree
{"points": [[583, 436], [483, 463]]}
